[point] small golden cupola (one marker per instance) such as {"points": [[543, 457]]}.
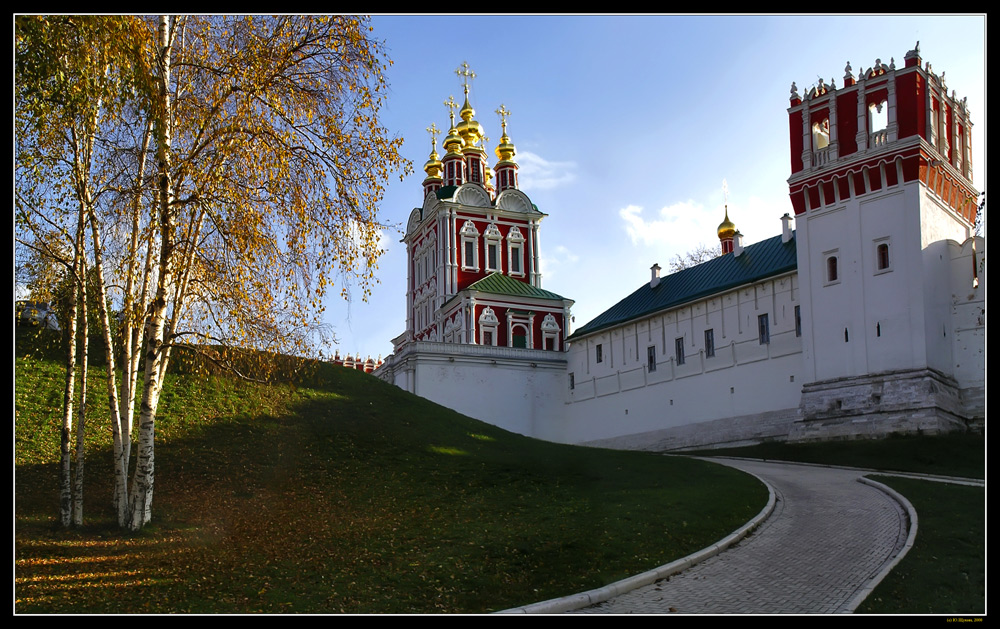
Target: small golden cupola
{"points": [[506, 167], [453, 162], [727, 229], [433, 167], [471, 132]]}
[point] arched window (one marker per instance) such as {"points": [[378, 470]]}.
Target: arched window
{"points": [[878, 121], [821, 134], [882, 261], [550, 333], [519, 336], [488, 324], [878, 117], [832, 272]]}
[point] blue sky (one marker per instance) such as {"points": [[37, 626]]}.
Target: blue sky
{"points": [[626, 126]]}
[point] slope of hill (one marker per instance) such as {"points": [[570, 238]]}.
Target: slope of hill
{"points": [[348, 496]]}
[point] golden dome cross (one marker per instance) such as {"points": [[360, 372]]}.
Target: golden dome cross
{"points": [[452, 106], [434, 131], [503, 112], [464, 71]]}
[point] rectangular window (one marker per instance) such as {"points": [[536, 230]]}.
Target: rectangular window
{"points": [[515, 259], [798, 321], [763, 329], [679, 350], [491, 253], [651, 358], [470, 254], [572, 382], [600, 353], [709, 343]]}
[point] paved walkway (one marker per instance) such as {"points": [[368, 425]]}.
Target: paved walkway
{"points": [[828, 536]]}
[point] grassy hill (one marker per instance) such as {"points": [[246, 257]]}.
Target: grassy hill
{"points": [[346, 496]]}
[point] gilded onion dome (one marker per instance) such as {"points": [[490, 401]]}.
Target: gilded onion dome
{"points": [[470, 130], [505, 150], [727, 229], [452, 142], [433, 166]]}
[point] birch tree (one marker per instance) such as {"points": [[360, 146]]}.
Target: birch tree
{"points": [[68, 70], [266, 164]]}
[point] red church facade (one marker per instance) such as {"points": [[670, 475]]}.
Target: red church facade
{"points": [[472, 250], [482, 335]]}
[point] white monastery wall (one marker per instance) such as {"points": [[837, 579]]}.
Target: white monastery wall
{"points": [[870, 319], [507, 387], [621, 395], [940, 228], [885, 294], [968, 315]]}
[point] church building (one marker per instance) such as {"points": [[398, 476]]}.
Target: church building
{"points": [[865, 318], [482, 335]]}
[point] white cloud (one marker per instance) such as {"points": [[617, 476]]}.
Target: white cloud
{"points": [[537, 173], [684, 225], [679, 226]]}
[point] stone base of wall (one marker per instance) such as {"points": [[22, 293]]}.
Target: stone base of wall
{"points": [[873, 406], [974, 403], [730, 432], [869, 407]]}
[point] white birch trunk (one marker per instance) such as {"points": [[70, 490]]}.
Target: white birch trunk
{"points": [[133, 323], [82, 148], [84, 325], [141, 494], [120, 471], [65, 443]]}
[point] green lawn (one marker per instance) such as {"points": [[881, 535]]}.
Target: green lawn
{"points": [[945, 571], [348, 496], [953, 454]]}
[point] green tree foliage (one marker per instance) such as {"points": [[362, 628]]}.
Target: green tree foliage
{"points": [[229, 170]]}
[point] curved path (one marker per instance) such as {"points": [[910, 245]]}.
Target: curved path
{"points": [[828, 537]]}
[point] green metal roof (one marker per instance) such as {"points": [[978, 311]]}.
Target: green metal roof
{"points": [[757, 262], [500, 284]]}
